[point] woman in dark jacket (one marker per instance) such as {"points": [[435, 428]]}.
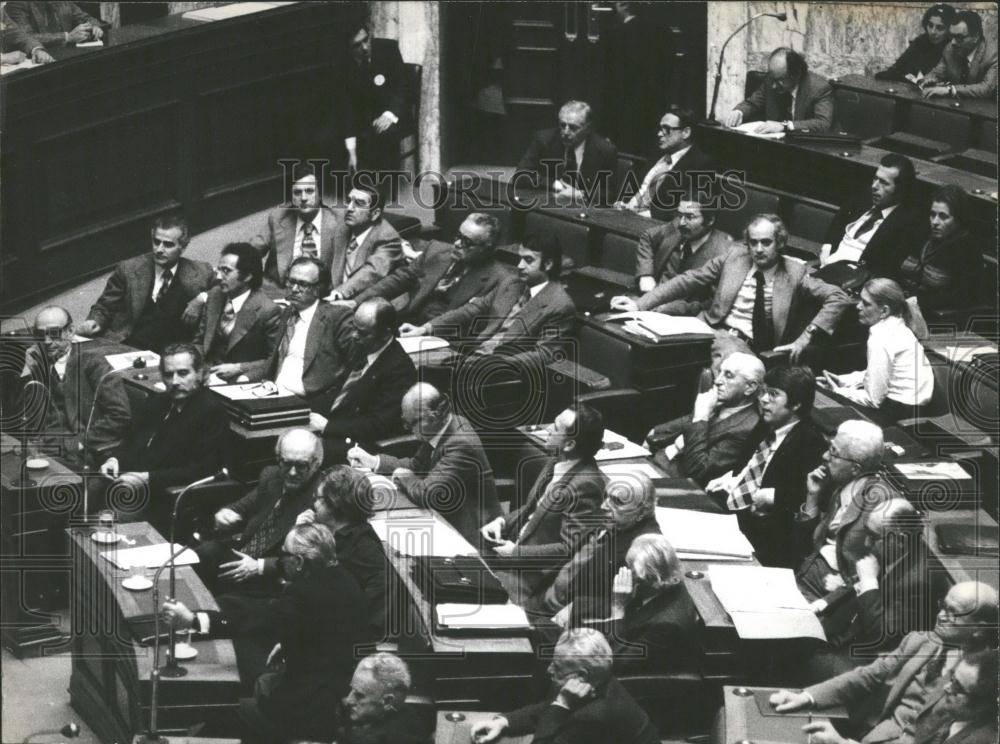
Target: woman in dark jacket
{"points": [[924, 52]]}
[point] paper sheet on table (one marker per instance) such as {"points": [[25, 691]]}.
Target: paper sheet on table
{"points": [[932, 470], [422, 343], [664, 325], [249, 391], [127, 359], [781, 624], [86, 44], [454, 615], [385, 495], [748, 128], [704, 534], [966, 354], [27, 64], [421, 536], [617, 447], [230, 11], [612, 470], [150, 556], [764, 602]]}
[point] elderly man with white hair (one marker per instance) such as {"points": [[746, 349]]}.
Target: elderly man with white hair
{"points": [[719, 434], [587, 706], [375, 709]]}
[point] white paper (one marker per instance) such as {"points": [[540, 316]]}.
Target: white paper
{"points": [[966, 354], [455, 615], [750, 126], [150, 556], [613, 470], [421, 535], [627, 449], [85, 44], [659, 324], [27, 64], [230, 11], [932, 470], [704, 534], [250, 391], [764, 602], [413, 344], [127, 359], [770, 625]]}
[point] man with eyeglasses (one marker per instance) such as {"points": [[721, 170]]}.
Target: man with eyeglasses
{"points": [[791, 98], [966, 713], [45, 363], [968, 66], [886, 696]]}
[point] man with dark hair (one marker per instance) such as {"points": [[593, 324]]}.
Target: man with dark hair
{"points": [[365, 246], [966, 712], [239, 325], [174, 439], [367, 408], [445, 276], [968, 66], [790, 98], [767, 490], [144, 300], [562, 508], [878, 231]]}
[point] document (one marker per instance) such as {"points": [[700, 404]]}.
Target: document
{"points": [[128, 359], [660, 325], [455, 615], [764, 602], [617, 447], [420, 535], [233, 10], [150, 556], [422, 343], [751, 129], [932, 470], [250, 391], [706, 536]]}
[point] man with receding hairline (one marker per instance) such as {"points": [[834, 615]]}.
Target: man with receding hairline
{"points": [[791, 98]]}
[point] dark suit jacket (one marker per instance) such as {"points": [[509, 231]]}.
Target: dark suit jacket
{"points": [[255, 333], [712, 447], [130, 288], [792, 288], [411, 287], [658, 255], [813, 104], [933, 723], [360, 551], [403, 726], [369, 98], [371, 410], [14, 38], [454, 479], [38, 367], [33, 18], [376, 257], [678, 181], [920, 56], [658, 636], [800, 452], [613, 715], [600, 156], [982, 79], [888, 245], [277, 242], [943, 277]]}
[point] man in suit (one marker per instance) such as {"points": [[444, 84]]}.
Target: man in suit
{"points": [[304, 227], [376, 705], [55, 24], [758, 292], [767, 490], [673, 175], [688, 242], [445, 277], [175, 439], [239, 325], [367, 408], [966, 712], [572, 162], [884, 697], [449, 472], [878, 232], [45, 362], [529, 320], [791, 98], [968, 66], [316, 347], [587, 704], [365, 246], [18, 44], [376, 88], [144, 300], [561, 509], [717, 434]]}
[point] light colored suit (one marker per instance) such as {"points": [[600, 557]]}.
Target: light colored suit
{"points": [[256, 328], [813, 104], [377, 255], [982, 79], [277, 243]]}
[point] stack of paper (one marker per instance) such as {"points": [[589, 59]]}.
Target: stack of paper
{"points": [[659, 325], [420, 534], [150, 556], [703, 536], [764, 602], [484, 616], [414, 344]]}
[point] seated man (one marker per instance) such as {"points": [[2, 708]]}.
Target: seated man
{"points": [[445, 277], [688, 242], [529, 319], [55, 24], [572, 162], [176, 438], [449, 472], [18, 45], [367, 407], [316, 346], [876, 231], [768, 489], [757, 292], [562, 508], [587, 704], [45, 362], [719, 433], [375, 707], [675, 172], [885, 696], [790, 98], [967, 712], [968, 66], [143, 302], [239, 325], [365, 246]]}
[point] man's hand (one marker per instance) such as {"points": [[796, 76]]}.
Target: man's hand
{"points": [[352, 161], [575, 693], [493, 531], [239, 570], [828, 381], [833, 582], [408, 330], [88, 328], [867, 569], [784, 700], [624, 304], [505, 549], [399, 475], [79, 34], [192, 313], [14, 58], [936, 91], [40, 57], [816, 482], [823, 732], [334, 296], [385, 120], [97, 32], [705, 405], [228, 372], [646, 283], [735, 118], [794, 349], [176, 615], [110, 467], [768, 127], [763, 500], [621, 589], [358, 458], [318, 422], [226, 517], [306, 517], [484, 732]]}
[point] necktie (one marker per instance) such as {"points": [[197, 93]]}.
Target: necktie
{"points": [[685, 251], [963, 70], [228, 319], [490, 345], [742, 495], [570, 166], [786, 106], [873, 216], [170, 412], [352, 251], [351, 380], [266, 533], [763, 334], [449, 278], [286, 340], [164, 284], [308, 245], [934, 666]]}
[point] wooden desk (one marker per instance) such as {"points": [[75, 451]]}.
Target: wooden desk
{"points": [[109, 684], [455, 727], [744, 722]]}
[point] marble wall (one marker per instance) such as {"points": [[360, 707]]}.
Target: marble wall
{"points": [[836, 38]]}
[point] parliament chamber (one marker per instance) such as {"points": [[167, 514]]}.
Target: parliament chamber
{"points": [[499, 371]]}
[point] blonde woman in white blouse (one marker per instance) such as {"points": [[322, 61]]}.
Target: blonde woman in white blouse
{"points": [[898, 376]]}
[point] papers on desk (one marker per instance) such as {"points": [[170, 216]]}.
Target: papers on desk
{"points": [[234, 10], [932, 470], [150, 556], [27, 64], [620, 470], [764, 602], [704, 536], [128, 358], [617, 447], [966, 354], [414, 344], [750, 127], [249, 391], [654, 326], [419, 534], [87, 44], [480, 616]]}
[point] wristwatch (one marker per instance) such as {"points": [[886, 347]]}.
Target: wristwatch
{"points": [[811, 329]]}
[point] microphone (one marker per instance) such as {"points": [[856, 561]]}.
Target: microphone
{"points": [[722, 54]]}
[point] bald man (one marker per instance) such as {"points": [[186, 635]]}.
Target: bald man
{"points": [[449, 472], [45, 363], [910, 676], [719, 435]]}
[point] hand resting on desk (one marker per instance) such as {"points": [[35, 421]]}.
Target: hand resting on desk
{"points": [[786, 700]]}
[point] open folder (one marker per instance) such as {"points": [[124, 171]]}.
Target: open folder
{"points": [[764, 602]]}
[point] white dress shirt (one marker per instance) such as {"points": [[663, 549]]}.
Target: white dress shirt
{"points": [[740, 314], [851, 247], [289, 377], [897, 368], [641, 201], [317, 222]]}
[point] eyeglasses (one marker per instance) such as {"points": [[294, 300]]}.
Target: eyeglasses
{"points": [[950, 612], [294, 464], [832, 451], [766, 392], [299, 284], [667, 129], [465, 242]]}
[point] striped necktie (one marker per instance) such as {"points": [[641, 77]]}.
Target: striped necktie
{"points": [[308, 245], [164, 284], [742, 495]]}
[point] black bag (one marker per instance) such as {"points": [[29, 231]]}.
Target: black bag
{"points": [[459, 579], [850, 276]]}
